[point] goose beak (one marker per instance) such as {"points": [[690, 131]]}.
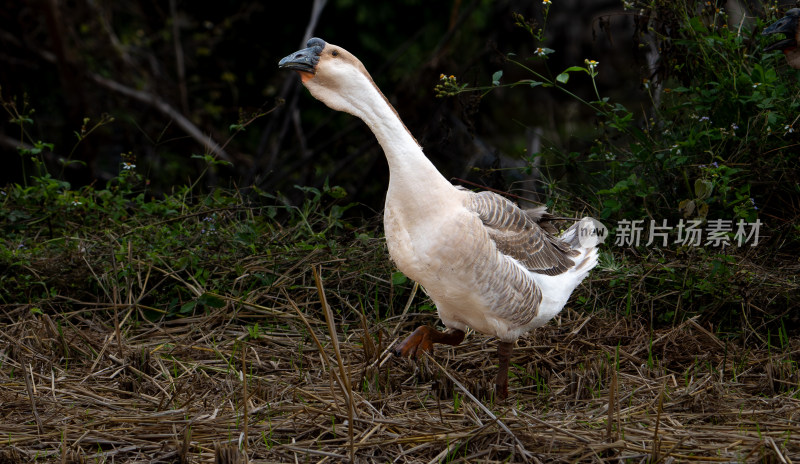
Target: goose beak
{"points": [[305, 60], [786, 25]]}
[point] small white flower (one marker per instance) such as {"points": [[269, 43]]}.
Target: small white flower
{"points": [[705, 118], [788, 129], [540, 51], [755, 85], [76, 203], [547, 2], [591, 63], [128, 166]]}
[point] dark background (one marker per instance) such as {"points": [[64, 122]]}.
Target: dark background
{"points": [[215, 64], [171, 74]]}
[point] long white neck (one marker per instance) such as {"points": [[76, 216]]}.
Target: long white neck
{"points": [[411, 172]]}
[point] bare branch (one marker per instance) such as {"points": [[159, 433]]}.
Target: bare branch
{"points": [[179, 60], [153, 100], [167, 109], [316, 12]]}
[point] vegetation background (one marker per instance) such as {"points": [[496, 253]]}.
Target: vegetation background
{"points": [[159, 168]]}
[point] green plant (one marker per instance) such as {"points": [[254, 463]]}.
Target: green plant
{"points": [[253, 331], [712, 152]]}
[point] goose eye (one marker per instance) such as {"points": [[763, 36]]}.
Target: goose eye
{"points": [[335, 53]]}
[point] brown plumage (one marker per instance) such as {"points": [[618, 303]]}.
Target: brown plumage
{"points": [[520, 236]]}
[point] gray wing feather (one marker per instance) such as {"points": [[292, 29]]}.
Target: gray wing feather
{"points": [[517, 234]]}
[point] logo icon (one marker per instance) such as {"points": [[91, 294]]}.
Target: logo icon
{"points": [[591, 232]]}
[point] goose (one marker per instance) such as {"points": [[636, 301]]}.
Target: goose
{"points": [[485, 263], [787, 25]]}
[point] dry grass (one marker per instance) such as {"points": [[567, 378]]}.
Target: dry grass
{"points": [[104, 384]]}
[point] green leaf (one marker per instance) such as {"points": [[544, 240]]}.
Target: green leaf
{"points": [[337, 192], [686, 207], [703, 188], [496, 77], [21, 120], [188, 307], [530, 82], [398, 278], [563, 78], [211, 300], [702, 209]]}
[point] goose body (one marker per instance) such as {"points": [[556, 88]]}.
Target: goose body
{"points": [[471, 255], [485, 263], [787, 25]]}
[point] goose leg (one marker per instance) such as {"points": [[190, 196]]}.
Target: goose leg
{"points": [[501, 382], [423, 339]]}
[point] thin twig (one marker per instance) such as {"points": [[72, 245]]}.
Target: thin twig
{"points": [[659, 409], [525, 454], [612, 396], [414, 289], [159, 104], [244, 396], [29, 387], [343, 372]]}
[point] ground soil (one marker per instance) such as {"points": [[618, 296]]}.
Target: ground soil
{"points": [[84, 387]]}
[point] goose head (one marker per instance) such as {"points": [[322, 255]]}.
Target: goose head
{"points": [[333, 76], [786, 25]]}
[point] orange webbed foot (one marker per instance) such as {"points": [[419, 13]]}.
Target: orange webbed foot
{"points": [[422, 340], [415, 344]]}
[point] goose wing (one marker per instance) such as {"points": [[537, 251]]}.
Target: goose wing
{"points": [[517, 234]]}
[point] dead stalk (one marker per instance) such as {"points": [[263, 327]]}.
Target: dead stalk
{"points": [[525, 454], [659, 409], [612, 396], [244, 397], [342, 371], [28, 372]]}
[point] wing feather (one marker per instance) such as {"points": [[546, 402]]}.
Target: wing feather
{"points": [[517, 234]]}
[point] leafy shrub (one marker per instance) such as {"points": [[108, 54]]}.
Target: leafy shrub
{"points": [[715, 149]]}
